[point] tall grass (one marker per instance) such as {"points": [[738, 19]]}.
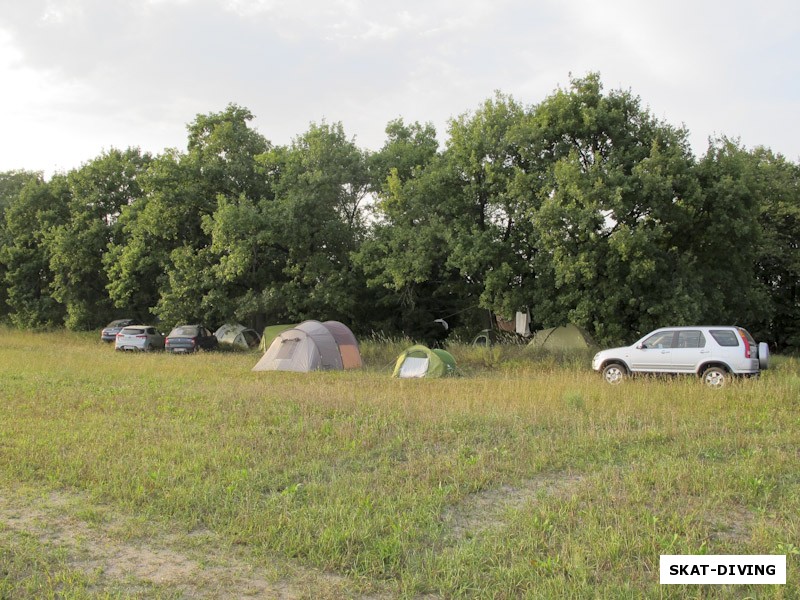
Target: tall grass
{"points": [[522, 477]]}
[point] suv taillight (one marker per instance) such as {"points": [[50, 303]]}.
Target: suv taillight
{"points": [[746, 344]]}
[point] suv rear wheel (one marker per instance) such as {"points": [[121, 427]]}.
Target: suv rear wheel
{"points": [[614, 373], [715, 377]]}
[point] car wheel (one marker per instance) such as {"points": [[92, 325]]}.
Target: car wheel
{"points": [[715, 377], [614, 373]]}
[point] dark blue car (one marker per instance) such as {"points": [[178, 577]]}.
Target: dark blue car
{"points": [[190, 338]]}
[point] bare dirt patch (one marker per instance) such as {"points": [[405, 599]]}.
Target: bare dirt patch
{"points": [[485, 509], [190, 565]]}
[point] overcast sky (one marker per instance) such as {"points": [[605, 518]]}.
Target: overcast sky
{"points": [[81, 76]]}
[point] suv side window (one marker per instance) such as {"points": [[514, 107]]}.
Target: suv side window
{"points": [[662, 339], [691, 339], [725, 337]]}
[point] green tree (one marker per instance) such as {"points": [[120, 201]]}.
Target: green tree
{"points": [[29, 216], [777, 184], [490, 237], [163, 219], [408, 148], [405, 258], [98, 192], [163, 263], [317, 220], [248, 258], [727, 234], [615, 190], [11, 185]]}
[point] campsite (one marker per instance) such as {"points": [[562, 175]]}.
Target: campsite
{"points": [[420, 418], [151, 475]]}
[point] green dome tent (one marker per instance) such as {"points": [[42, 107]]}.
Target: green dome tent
{"points": [[490, 337], [486, 337], [237, 336], [561, 339], [421, 361]]}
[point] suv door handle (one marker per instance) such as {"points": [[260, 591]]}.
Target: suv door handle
{"points": [[705, 351]]}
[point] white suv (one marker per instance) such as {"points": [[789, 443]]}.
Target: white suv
{"points": [[713, 353], [139, 337]]}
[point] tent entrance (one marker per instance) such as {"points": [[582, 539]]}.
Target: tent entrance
{"points": [[414, 366]]}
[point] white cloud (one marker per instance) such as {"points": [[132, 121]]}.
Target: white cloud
{"points": [[89, 74]]}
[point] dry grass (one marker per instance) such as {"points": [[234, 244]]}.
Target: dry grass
{"points": [[522, 477]]}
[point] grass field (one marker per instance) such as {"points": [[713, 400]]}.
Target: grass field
{"points": [[190, 476]]}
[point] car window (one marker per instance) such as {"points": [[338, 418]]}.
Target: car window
{"points": [[725, 337], [184, 330], [132, 331], [662, 339], [691, 339]]}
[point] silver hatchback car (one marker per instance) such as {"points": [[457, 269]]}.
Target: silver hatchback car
{"points": [[139, 337], [715, 353]]}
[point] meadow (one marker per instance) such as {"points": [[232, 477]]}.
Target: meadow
{"points": [[155, 476]]}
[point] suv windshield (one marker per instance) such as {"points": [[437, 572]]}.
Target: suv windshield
{"points": [[132, 331]]}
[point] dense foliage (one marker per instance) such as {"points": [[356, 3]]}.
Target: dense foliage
{"points": [[583, 208]]}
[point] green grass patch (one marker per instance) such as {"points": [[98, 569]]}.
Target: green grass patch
{"points": [[526, 476]]}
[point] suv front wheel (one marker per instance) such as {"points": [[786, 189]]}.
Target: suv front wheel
{"points": [[715, 377], [614, 373]]}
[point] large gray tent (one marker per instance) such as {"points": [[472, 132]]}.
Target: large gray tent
{"points": [[348, 346], [312, 346], [328, 350]]}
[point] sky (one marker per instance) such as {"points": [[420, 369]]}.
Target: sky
{"points": [[79, 77]]}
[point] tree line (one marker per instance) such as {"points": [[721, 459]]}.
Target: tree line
{"points": [[584, 208]]}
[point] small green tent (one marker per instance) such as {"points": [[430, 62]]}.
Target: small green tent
{"points": [[490, 337], [237, 336], [560, 339], [421, 361], [270, 333], [486, 337]]}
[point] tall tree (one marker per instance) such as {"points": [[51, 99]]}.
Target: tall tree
{"points": [[727, 235], [98, 192], [408, 148], [164, 263], [320, 183], [11, 185], [615, 189], [405, 258], [491, 238], [777, 185], [29, 216]]}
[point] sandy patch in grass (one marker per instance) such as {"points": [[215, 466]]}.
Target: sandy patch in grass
{"points": [[484, 510], [191, 565]]}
